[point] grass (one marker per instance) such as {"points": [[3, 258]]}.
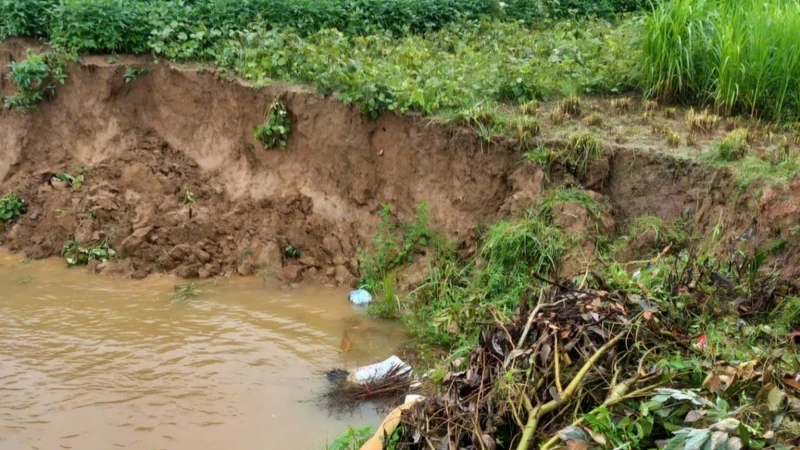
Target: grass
{"points": [[583, 148], [664, 233], [569, 195], [739, 55], [733, 147]]}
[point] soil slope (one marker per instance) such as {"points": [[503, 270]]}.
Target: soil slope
{"points": [[175, 128]]}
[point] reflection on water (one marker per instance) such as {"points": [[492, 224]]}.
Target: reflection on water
{"points": [[91, 362]]}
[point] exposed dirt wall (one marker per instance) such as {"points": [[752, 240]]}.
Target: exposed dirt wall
{"points": [[172, 128]]}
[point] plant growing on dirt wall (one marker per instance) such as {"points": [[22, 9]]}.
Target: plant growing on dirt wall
{"points": [[35, 78], [77, 253], [275, 130], [11, 207]]}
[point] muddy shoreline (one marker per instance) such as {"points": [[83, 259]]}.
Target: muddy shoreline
{"points": [[144, 144]]}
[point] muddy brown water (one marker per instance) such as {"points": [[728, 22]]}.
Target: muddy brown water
{"points": [[93, 362]]}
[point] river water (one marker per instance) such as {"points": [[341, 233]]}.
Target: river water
{"points": [[92, 362]]}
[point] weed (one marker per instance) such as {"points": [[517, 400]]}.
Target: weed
{"points": [[395, 245], [131, 73], [542, 157], [583, 148], [11, 207], [704, 122], [775, 246], [290, 252], [622, 104], [739, 54], [77, 253], [185, 291], [659, 129], [570, 106], [389, 306], [569, 195], [786, 315], [732, 147], [663, 233], [352, 439], [558, 117], [487, 124], [75, 182], [188, 196], [525, 127], [35, 78], [275, 130], [593, 120], [691, 139], [649, 106], [670, 112], [529, 108], [673, 139]]}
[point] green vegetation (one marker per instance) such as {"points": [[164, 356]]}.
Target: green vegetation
{"points": [[188, 195], [740, 55], [74, 182], [11, 207], [290, 252], [663, 233], [732, 147], [131, 73], [275, 130], [186, 291], [78, 253], [35, 78], [396, 244]]}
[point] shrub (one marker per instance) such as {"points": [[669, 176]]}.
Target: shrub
{"points": [[11, 207], [275, 130], [35, 77]]}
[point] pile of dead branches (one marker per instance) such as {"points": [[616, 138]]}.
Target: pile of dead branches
{"points": [[530, 377]]}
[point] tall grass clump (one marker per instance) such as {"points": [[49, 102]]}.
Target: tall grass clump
{"points": [[742, 56]]}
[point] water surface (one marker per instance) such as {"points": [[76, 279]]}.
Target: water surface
{"points": [[93, 362]]}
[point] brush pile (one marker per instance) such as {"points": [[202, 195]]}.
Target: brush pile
{"points": [[610, 369]]}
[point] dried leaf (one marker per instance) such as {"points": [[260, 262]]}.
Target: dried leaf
{"points": [[775, 399], [695, 415], [712, 383], [544, 354]]}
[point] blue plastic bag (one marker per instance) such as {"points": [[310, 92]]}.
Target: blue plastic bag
{"points": [[360, 297]]}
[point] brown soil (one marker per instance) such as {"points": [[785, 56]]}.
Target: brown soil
{"points": [[174, 128]]}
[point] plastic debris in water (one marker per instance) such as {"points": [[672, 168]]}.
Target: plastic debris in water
{"points": [[360, 297], [379, 370]]}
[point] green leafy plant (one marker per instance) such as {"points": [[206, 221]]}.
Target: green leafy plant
{"points": [[275, 130], [77, 253], [35, 78], [74, 182], [11, 207], [352, 439], [188, 195], [290, 252], [131, 73], [395, 245], [185, 291]]}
